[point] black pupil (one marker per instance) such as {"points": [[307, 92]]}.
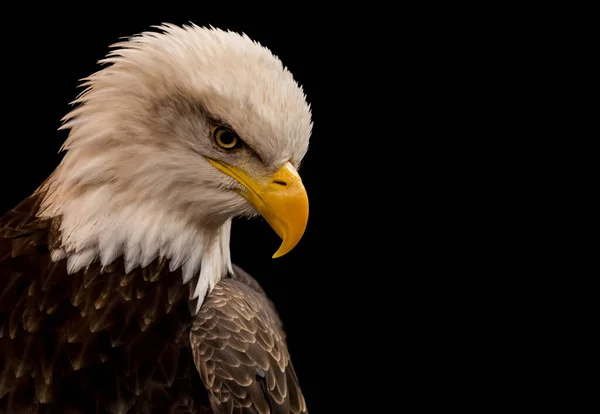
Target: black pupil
{"points": [[226, 137]]}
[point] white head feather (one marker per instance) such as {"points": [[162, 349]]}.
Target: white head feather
{"points": [[135, 181]]}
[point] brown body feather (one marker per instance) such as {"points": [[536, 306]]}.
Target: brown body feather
{"points": [[103, 341], [238, 345]]}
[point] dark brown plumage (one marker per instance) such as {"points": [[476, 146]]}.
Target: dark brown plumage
{"points": [[103, 341], [239, 348]]}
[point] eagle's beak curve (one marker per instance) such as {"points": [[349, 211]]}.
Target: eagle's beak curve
{"points": [[281, 199]]}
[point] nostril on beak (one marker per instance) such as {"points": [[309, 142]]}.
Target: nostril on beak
{"points": [[279, 182]]}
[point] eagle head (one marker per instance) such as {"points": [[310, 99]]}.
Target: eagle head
{"points": [[182, 129]]}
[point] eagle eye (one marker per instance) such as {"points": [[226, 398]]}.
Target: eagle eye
{"points": [[225, 138]]}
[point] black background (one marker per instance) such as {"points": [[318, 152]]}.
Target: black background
{"points": [[377, 294]]}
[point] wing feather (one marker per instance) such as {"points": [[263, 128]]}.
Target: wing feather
{"points": [[239, 348], [99, 340]]}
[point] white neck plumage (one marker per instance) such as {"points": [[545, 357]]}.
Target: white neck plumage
{"points": [[97, 226]]}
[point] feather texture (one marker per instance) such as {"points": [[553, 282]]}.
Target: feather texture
{"points": [[239, 349], [103, 340]]}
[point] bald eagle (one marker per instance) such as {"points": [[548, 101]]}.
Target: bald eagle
{"points": [[117, 289]]}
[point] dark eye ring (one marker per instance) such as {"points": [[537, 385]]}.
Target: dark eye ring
{"points": [[225, 138]]}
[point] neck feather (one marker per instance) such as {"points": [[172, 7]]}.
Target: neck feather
{"points": [[95, 228]]}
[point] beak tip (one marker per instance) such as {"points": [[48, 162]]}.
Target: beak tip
{"points": [[280, 252]]}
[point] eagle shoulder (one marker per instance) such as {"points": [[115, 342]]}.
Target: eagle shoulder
{"points": [[239, 348]]}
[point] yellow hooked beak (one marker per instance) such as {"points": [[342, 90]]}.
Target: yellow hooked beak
{"points": [[281, 199]]}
